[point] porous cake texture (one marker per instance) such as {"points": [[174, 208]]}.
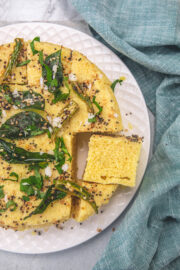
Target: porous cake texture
{"points": [[113, 160]]}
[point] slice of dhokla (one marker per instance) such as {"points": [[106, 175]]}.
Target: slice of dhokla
{"points": [[93, 82], [113, 160], [18, 74], [57, 211], [81, 209]]}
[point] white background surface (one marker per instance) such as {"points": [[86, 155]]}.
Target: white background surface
{"points": [[85, 255]]}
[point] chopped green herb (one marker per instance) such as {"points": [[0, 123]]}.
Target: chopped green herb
{"points": [[93, 120], [50, 196], [1, 192], [34, 51], [113, 85], [10, 204], [14, 57], [32, 184], [11, 179], [76, 190], [60, 155], [17, 155], [23, 63], [25, 198], [24, 125], [23, 99], [0, 112]]}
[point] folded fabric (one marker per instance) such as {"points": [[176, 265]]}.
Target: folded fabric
{"points": [[146, 35]]}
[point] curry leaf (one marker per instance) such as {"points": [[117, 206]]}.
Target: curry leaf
{"points": [[24, 125], [78, 89], [34, 51], [11, 179], [17, 155]]}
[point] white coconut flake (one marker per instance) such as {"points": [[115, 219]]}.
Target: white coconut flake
{"points": [[57, 122], [6, 198], [89, 86], [45, 87], [48, 171], [65, 167], [41, 82], [25, 184], [15, 107], [50, 130], [115, 115], [51, 152], [72, 77], [54, 68], [91, 115], [15, 93], [49, 119], [86, 122]]}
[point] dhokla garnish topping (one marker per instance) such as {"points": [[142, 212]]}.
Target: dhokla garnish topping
{"points": [[120, 81], [60, 153], [9, 203], [80, 91], [24, 125], [13, 60], [50, 196], [34, 51], [21, 99], [17, 155], [13, 174], [76, 190], [52, 74], [24, 63]]}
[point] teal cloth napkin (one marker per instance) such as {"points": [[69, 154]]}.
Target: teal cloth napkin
{"points": [[146, 35]]}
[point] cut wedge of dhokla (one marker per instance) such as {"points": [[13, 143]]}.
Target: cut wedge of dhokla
{"points": [[81, 209], [113, 160]]}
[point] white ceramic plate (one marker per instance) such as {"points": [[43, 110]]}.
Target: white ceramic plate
{"points": [[135, 120]]}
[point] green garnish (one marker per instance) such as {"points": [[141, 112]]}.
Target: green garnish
{"points": [[23, 99], [24, 63], [93, 120], [32, 185], [24, 125], [50, 196], [25, 198], [76, 190], [17, 155], [60, 155], [34, 51], [0, 112], [78, 89], [1, 192], [10, 204], [113, 85], [12, 179], [52, 73], [14, 57]]}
